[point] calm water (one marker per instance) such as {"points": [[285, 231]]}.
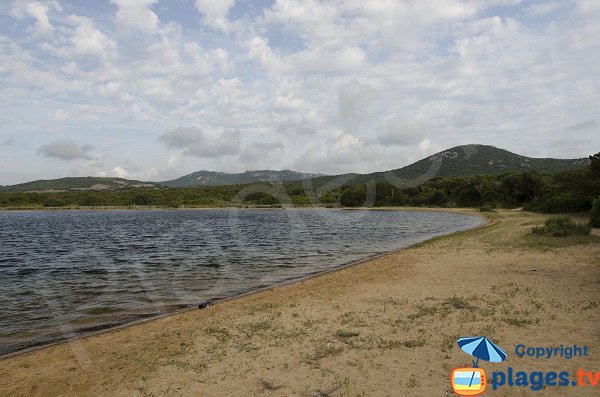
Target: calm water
{"points": [[67, 273]]}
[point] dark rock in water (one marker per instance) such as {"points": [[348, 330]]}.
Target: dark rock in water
{"points": [[204, 305]]}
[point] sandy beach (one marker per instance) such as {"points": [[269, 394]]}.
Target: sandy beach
{"points": [[385, 327]]}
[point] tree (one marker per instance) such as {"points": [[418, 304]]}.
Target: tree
{"points": [[595, 219], [595, 165], [141, 199], [353, 196]]}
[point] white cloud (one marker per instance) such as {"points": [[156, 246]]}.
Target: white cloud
{"points": [[66, 150], [298, 128], [59, 115], [259, 153], [324, 60], [402, 132], [259, 50], [194, 142], [89, 41], [337, 85], [39, 11], [215, 13], [136, 14], [120, 172], [355, 101]]}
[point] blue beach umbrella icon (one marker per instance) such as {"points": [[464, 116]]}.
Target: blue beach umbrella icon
{"points": [[481, 348]]}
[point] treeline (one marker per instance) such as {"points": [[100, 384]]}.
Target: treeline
{"points": [[158, 197], [569, 191]]}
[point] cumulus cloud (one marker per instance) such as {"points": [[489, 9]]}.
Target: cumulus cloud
{"points": [[136, 14], [259, 50], [320, 77], [328, 60], [257, 152], [194, 142], [355, 101], [301, 128], [66, 150], [37, 10], [85, 40], [401, 132], [215, 13]]}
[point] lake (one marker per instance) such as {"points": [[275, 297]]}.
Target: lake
{"points": [[67, 273]]}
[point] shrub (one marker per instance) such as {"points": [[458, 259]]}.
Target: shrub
{"points": [[562, 227], [353, 197], [141, 199], [53, 202], [595, 219], [487, 207], [561, 202]]}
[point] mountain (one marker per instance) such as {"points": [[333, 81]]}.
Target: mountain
{"points": [[211, 178], [78, 183], [462, 160], [465, 160]]}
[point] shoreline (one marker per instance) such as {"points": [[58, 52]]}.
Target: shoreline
{"points": [[107, 328], [386, 327]]}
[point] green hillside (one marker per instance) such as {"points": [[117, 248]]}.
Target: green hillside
{"points": [[465, 160], [211, 178], [77, 184]]}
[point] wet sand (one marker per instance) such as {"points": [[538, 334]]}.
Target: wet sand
{"points": [[386, 327]]}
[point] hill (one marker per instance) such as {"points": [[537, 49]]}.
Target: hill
{"points": [[212, 178], [77, 184], [465, 160]]}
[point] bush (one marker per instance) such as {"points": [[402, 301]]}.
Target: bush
{"points": [[353, 197], [561, 202], [141, 199], [261, 198], [595, 219], [487, 207], [53, 202], [562, 227]]}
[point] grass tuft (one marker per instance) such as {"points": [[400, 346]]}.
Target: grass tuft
{"points": [[346, 334]]}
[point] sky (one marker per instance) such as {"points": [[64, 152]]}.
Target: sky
{"points": [[155, 89]]}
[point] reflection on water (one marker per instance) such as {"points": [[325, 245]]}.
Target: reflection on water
{"points": [[63, 273]]}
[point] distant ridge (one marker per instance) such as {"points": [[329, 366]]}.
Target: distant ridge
{"points": [[464, 160], [212, 178], [78, 184]]}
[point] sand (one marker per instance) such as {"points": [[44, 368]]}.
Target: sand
{"points": [[386, 327]]}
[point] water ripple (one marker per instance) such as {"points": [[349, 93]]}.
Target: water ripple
{"points": [[88, 270]]}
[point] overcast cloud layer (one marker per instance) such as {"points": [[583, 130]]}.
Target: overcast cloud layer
{"points": [[154, 89]]}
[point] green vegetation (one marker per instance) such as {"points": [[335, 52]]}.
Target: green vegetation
{"points": [[570, 191], [78, 184], [595, 218], [487, 207], [211, 178], [567, 191], [465, 160], [561, 227]]}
